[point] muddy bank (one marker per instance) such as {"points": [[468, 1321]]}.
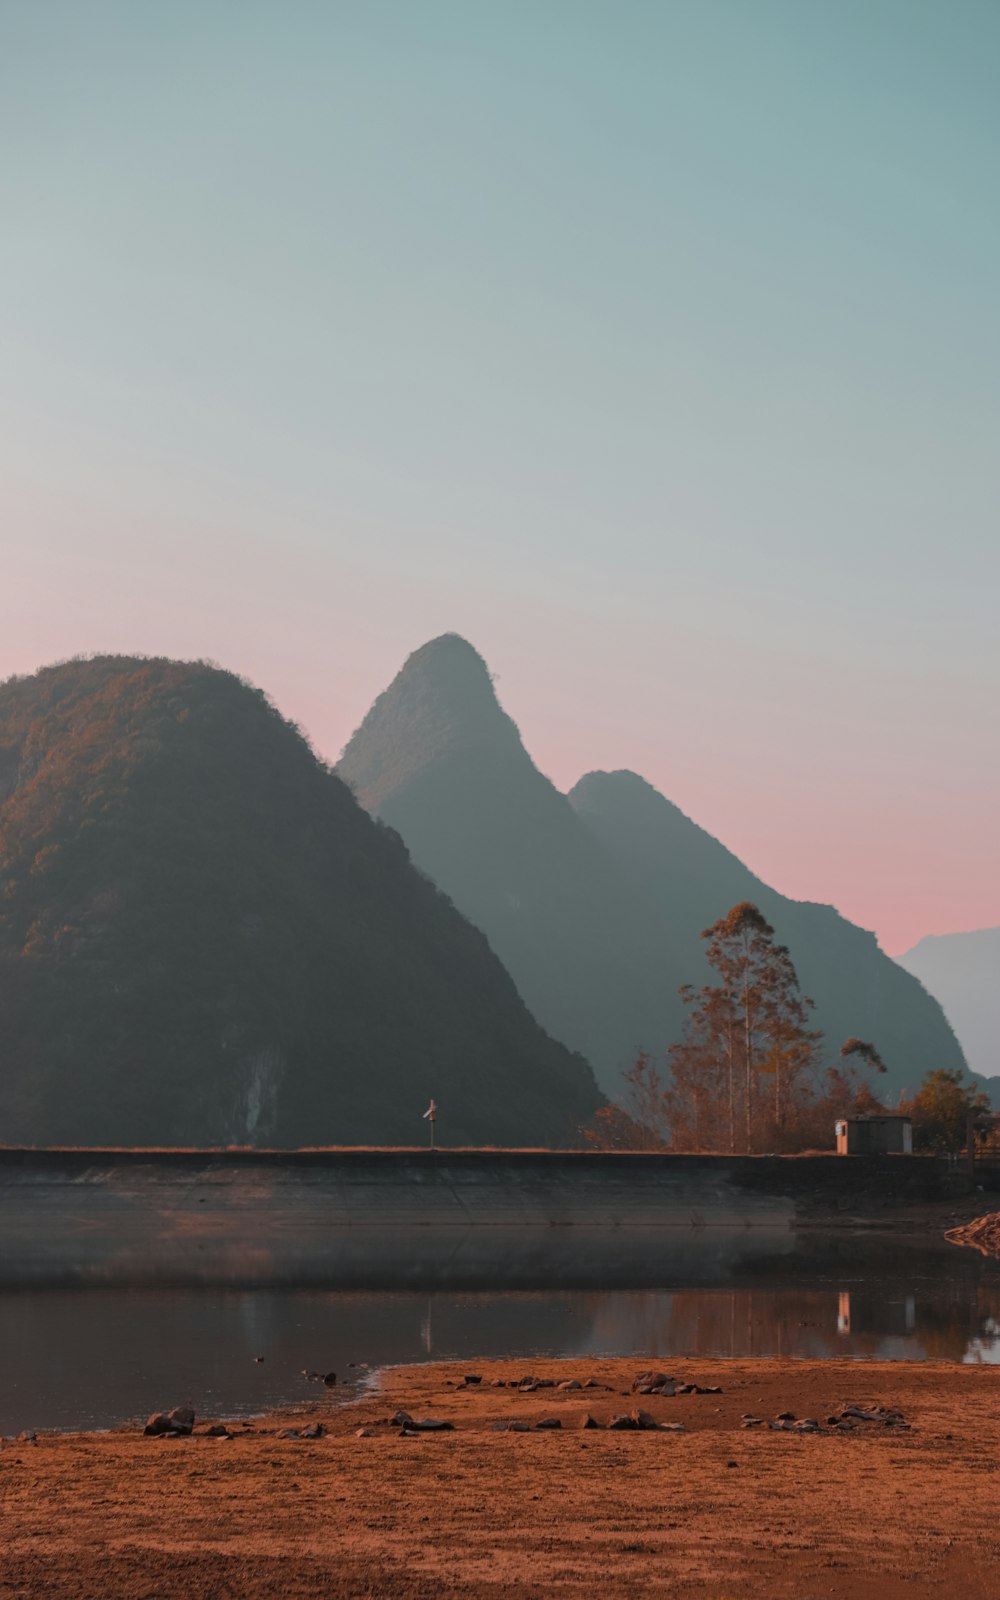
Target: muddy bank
{"points": [[713, 1509]]}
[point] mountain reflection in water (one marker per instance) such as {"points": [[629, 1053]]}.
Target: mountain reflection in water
{"points": [[96, 1355]]}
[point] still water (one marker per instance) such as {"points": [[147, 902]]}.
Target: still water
{"points": [[98, 1354]]}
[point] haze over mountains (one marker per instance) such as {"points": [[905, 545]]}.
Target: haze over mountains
{"points": [[962, 970], [595, 901], [205, 939]]}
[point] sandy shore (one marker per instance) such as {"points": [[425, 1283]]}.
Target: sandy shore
{"points": [[718, 1510]]}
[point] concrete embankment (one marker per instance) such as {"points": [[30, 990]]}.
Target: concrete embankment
{"points": [[366, 1217]]}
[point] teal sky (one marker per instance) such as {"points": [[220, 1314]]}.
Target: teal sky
{"points": [[653, 346]]}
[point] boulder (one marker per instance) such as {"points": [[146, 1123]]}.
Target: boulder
{"points": [[642, 1419], [647, 1382]]}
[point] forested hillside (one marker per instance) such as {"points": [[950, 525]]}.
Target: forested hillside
{"points": [[204, 938]]}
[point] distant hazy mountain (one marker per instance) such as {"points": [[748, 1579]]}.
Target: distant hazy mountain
{"points": [[204, 938], [962, 970], [857, 988], [595, 901]]}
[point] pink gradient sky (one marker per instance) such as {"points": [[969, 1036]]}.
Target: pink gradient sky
{"points": [[655, 349]]}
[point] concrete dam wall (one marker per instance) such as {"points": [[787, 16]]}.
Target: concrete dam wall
{"points": [[371, 1218]]}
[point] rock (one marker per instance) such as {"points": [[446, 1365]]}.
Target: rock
{"points": [[642, 1419], [874, 1414], [806, 1425], [330, 1379], [400, 1419], [473, 1377], [157, 1424], [592, 1383], [315, 1430], [288, 1433], [549, 1422], [432, 1425], [545, 1383], [409, 1433], [518, 1427], [27, 1436], [217, 1430], [621, 1424], [646, 1382], [362, 1433], [570, 1383], [587, 1421], [258, 1360], [671, 1427], [499, 1383], [785, 1416]]}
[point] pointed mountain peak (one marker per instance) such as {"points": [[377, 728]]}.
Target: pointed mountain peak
{"points": [[441, 699]]}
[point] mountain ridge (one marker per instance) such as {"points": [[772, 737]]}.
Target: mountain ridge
{"points": [[595, 900]]}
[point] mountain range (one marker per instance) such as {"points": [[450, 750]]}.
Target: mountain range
{"points": [[595, 900], [204, 939], [962, 970]]}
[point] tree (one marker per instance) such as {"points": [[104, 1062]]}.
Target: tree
{"points": [[747, 1044], [641, 1121], [942, 1108], [865, 1053]]}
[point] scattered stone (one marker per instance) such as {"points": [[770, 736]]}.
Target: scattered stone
{"points": [[642, 1419], [882, 1414], [549, 1422]]}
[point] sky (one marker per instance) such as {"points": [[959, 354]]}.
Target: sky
{"points": [[652, 345]]}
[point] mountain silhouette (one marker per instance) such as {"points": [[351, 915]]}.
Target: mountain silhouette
{"points": [[438, 760], [204, 939], [595, 901], [962, 970]]}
